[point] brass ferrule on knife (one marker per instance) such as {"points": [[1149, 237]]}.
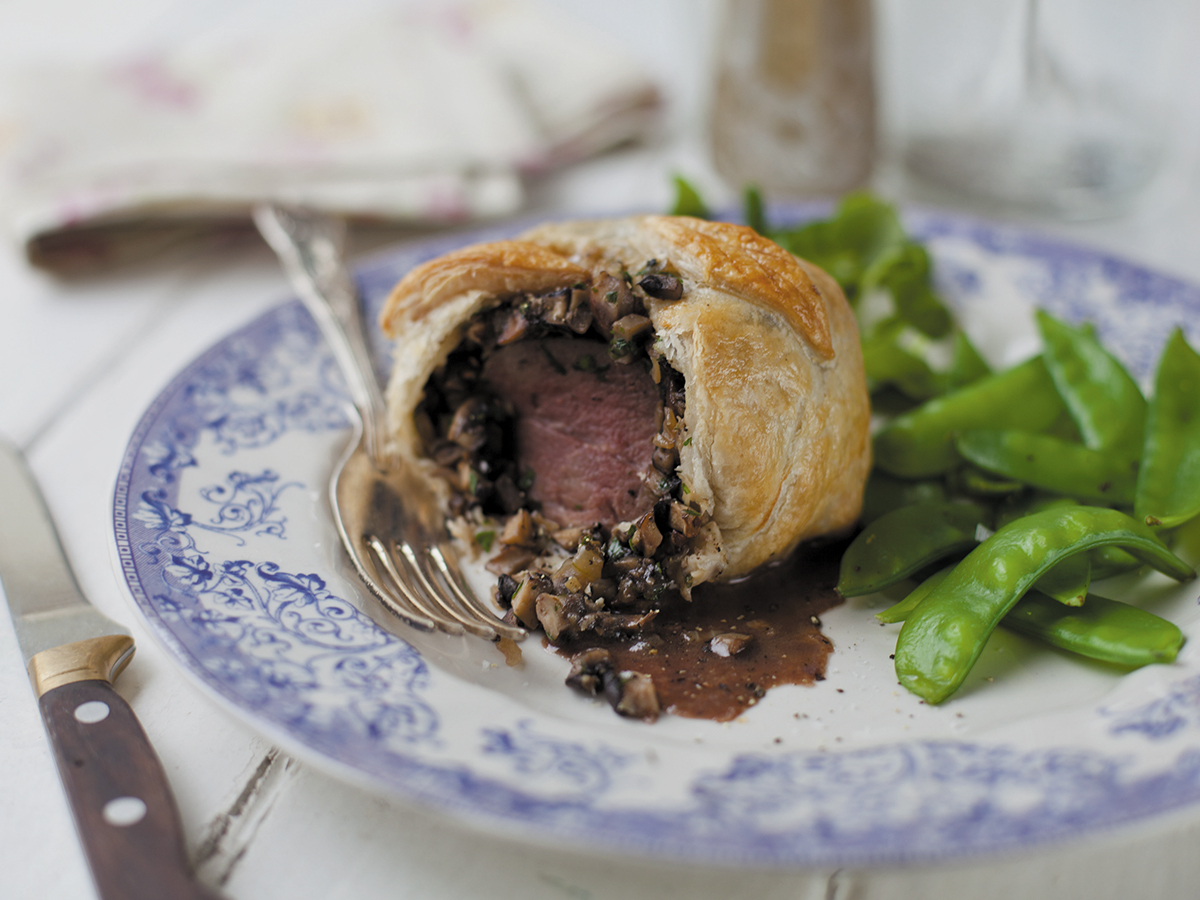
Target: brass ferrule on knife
{"points": [[99, 658]]}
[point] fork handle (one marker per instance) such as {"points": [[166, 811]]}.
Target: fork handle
{"points": [[124, 811], [309, 245]]}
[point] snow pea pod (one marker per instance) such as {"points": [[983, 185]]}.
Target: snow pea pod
{"points": [[1100, 629], [898, 612], [1016, 507], [897, 353], [944, 635], [1068, 581], [889, 359], [1051, 464], [1109, 561], [976, 482], [1168, 487], [920, 443], [907, 540], [885, 493], [1105, 402]]}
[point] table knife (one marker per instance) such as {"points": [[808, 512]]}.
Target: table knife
{"points": [[123, 807]]}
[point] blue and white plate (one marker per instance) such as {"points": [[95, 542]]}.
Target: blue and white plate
{"points": [[230, 554]]}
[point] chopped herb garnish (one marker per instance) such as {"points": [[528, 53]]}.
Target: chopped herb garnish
{"points": [[526, 481], [619, 347], [554, 363], [473, 482], [685, 488], [687, 442], [484, 539], [611, 296], [585, 363], [615, 549]]}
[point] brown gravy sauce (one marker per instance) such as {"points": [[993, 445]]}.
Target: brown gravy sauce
{"points": [[778, 607]]}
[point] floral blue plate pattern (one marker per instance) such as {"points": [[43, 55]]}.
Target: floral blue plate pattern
{"points": [[229, 554]]}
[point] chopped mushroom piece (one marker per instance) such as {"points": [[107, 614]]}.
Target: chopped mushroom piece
{"points": [[629, 327], [510, 560], [631, 694], [647, 537], [730, 643], [524, 599], [637, 697], [551, 615], [519, 530], [662, 286], [588, 670]]}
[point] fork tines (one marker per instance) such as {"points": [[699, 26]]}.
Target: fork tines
{"points": [[425, 581]]}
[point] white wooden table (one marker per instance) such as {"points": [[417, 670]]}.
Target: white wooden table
{"points": [[79, 362]]}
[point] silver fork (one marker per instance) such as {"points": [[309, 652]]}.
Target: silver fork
{"points": [[388, 519]]}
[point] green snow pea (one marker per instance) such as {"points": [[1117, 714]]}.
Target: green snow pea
{"points": [[905, 541], [896, 353], [861, 231], [905, 271], [890, 356], [1027, 505], [1109, 561], [966, 365], [977, 482], [1105, 402], [920, 443], [1051, 464], [1100, 629], [1168, 487], [898, 612], [1068, 581], [884, 493], [944, 635]]}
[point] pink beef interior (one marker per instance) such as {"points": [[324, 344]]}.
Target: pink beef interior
{"points": [[587, 437]]}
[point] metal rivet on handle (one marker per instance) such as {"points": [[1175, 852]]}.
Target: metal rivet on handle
{"points": [[91, 712], [124, 811]]}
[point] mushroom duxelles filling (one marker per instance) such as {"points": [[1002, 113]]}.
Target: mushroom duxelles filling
{"points": [[557, 419]]}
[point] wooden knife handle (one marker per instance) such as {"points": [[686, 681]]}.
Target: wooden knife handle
{"points": [[123, 807]]}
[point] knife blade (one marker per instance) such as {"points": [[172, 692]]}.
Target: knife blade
{"points": [[124, 811]]}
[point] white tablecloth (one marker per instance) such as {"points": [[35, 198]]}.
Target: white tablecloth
{"points": [[81, 359]]}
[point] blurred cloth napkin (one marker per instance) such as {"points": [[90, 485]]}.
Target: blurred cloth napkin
{"points": [[420, 115]]}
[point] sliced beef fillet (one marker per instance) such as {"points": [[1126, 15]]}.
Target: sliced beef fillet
{"points": [[585, 427]]}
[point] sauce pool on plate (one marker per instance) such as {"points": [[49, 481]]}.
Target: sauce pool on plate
{"points": [[684, 649]]}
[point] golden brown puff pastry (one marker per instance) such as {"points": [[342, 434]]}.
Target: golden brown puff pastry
{"points": [[777, 414]]}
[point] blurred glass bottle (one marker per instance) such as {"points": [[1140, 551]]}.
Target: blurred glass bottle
{"points": [[794, 103]]}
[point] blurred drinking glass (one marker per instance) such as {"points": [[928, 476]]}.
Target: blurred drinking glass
{"points": [[794, 104], [1046, 106]]}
